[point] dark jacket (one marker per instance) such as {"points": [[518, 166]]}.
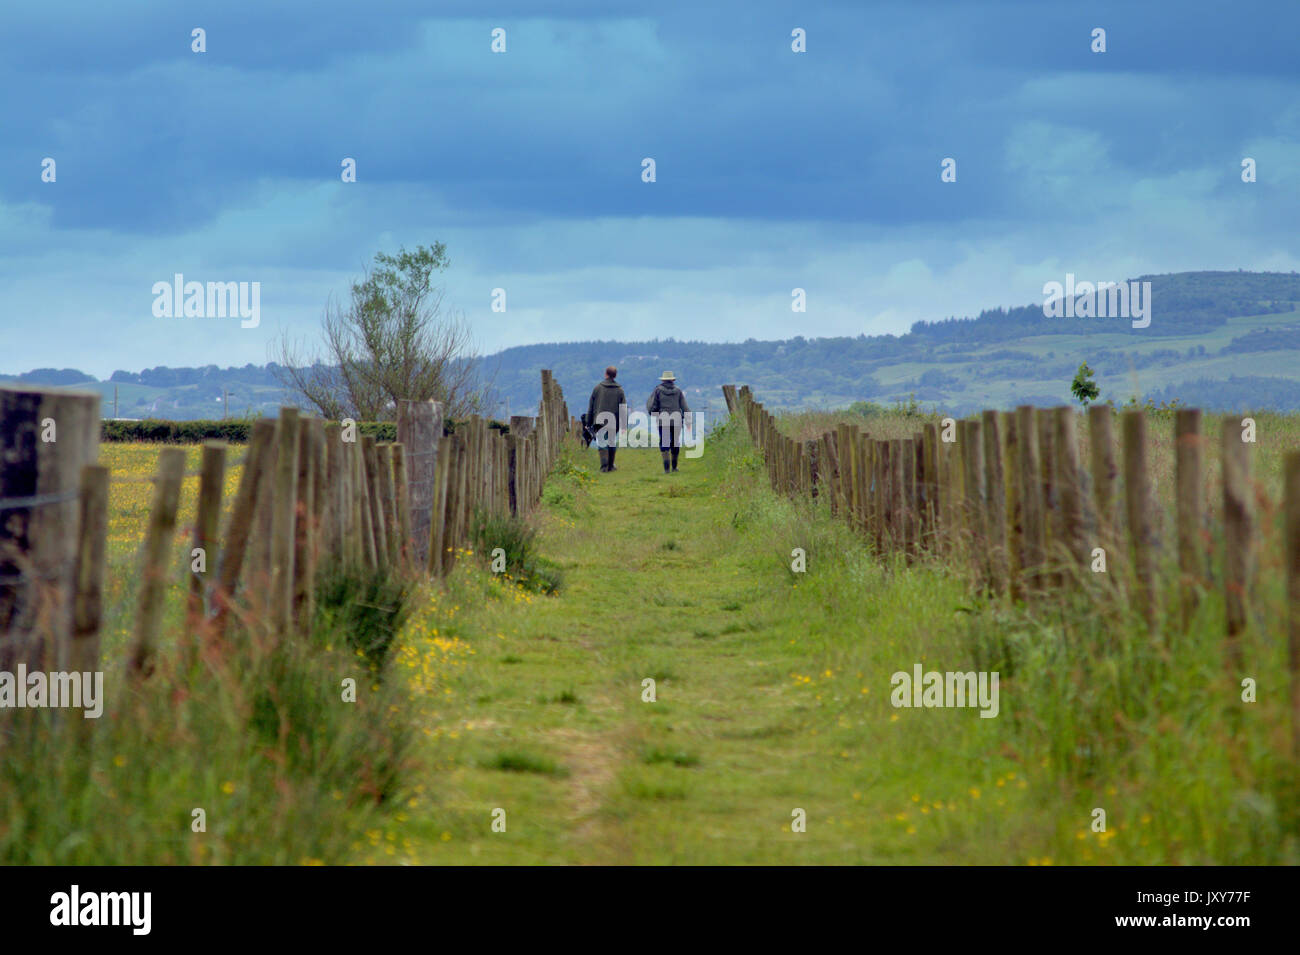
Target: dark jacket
{"points": [[667, 397], [606, 396]]}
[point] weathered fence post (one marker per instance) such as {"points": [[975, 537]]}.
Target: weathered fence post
{"points": [[1015, 528], [212, 475], [1141, 513], [947, 494], [1239, 533], [438, 517], [401, 485], [884, 481], [1105, 474], [335, 527], [930, 487], [284, 509], [88, 599], [1291, 496], [911, 523], [974, 500], [304, 544], [46, 438], [1070, 496], [388, 502], [1051, 503], [240, 526], [1031, 501], [995, 494], [1189, 483], [156, 555], [729, 395], [374, 489], [363, 514], [897, 493], [321, 507]]}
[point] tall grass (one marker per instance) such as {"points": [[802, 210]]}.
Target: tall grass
{"points": [[1152, 727], [242, 751]]}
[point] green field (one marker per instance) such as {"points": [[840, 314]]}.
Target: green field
{"points": [[772, 697]]}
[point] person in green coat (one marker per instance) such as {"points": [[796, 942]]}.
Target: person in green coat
{"points": [[668, 404]]}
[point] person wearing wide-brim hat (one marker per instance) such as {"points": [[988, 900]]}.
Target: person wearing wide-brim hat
{"points": [[668, 404]]}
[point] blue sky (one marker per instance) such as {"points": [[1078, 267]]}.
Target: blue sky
{"points": [[775, 170]]}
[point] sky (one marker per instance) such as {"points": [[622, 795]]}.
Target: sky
{"points": [[774, 169]]}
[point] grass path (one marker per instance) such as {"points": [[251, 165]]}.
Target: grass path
{"points": [[762, 703], [773, 695]]}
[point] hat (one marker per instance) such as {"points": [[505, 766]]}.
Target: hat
{"points": [[668, 376]]}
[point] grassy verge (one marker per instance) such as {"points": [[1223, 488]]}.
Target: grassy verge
{"points": [[247, 751]]}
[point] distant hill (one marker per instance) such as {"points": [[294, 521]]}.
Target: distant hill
{"points": [[1222, 340], [1206, 327], [178, 394]]}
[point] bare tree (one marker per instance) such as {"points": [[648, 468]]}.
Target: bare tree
{"points": [[391, 342]]}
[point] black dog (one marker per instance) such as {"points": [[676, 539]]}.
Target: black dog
{"points": [[588, 435]]}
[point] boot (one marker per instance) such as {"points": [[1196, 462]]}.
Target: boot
{"points": [[611, 459], [665, 454], [675, 459], [604, 458]]}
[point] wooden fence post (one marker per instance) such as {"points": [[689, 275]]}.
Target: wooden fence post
{"points": [[88, 599], [1015, 530], [844, 471], [1072, 544], [1105, 475], [212, 475], [370, 458], [156, 554], [438, 518], [1031, 501], [1291, 494], [1051, 500], [1140, 508], [859, 483], [406, 549], [334, 530], [831, 457], [974, 500], [367, 551], [388, 501], [866, 452], [46, 438], [885, 478], [458, 524], [240, 526], [995, 493], [321, 498], [283, 520], [898, 494], [419, 431], [930, 487], [945, 539], [1189, 483], [1239, 533], [304, 534], [259, 540], [910, 522]]}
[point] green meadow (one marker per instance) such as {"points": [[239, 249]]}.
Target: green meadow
{"points": [[507, 726]]}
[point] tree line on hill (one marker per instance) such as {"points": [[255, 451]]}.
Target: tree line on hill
{"points": [[809, 372]]}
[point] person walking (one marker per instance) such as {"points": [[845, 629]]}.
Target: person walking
{"points": [[604, 415], [668, 403]]}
